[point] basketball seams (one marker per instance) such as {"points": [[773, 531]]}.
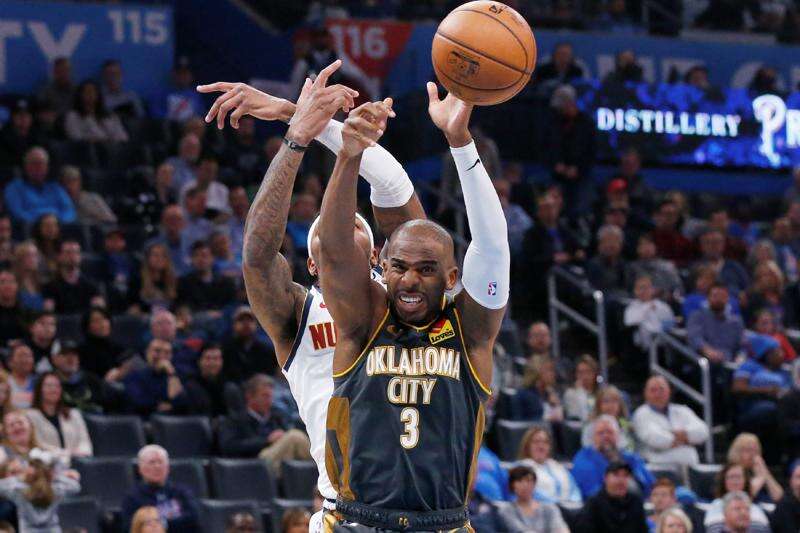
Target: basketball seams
{"points": [[484, 54], [497, 19], [521, 74]]}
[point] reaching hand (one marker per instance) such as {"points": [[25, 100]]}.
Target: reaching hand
{"points": [[364, 126], [450, 115], [244, 100], [317, 105]]}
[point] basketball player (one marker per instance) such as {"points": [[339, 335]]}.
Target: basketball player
{"points": [[411, 367], [296, 318]]}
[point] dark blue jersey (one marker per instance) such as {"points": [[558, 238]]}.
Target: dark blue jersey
{"points": [[405, 425]]}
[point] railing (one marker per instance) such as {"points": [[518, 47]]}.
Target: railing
{"points": [[459, 213], [596, 327], [702, 397]]}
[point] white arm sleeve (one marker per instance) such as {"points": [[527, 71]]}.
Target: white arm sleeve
{"points": [[389, 183], [487, 264]]}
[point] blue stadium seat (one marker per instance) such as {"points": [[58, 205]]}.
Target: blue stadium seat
{"points": [[298, 479], [238, 479], [509, 437], [214, 514], [115, 435], [81, 513], [183, 436], [128, 330], [107, 479], [69, 327], [702, 479], [571, 431], [191, 473]]}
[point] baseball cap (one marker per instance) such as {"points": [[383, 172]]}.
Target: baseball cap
{"points": [[68, 346]]}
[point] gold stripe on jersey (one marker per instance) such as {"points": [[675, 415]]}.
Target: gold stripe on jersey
{"points": [[473, 467], [366, 346], [486, 389], [338, 422]]}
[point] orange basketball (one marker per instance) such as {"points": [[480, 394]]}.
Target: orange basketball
{"points": [[484, 52]]}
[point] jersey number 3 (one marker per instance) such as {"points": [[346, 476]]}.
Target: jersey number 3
{"points": [[410, 416]]}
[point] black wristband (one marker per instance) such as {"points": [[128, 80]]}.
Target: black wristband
{"points": [[294, 146]]}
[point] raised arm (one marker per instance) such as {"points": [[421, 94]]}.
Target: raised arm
{"points": [[392, 193], [275, 298], [354, 300], [487, 264]]}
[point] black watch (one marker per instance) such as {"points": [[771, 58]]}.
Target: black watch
{"points": [[294, 146]]}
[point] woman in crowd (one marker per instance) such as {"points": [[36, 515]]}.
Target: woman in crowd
{"points": [[758, 384], [555, 483], [147, 520], [767, 291], [745, 451], [21, 375], [538, 398], [90, 206], [57, 427], [765, 324], [609, 401], [674, 521], [157, 285], [526, 514], [29, 270], [732, 478], [18, 438], [46, 234], [786, 518], [295, 521], [99, 353], [88, 119], [579, 400]]}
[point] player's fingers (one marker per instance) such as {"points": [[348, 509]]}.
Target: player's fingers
{"points": [[215, 87], [221, 99], [339, 86], [366, 129], [227, 106], [236, 115], [337, 95], [324, 74], [433, 92], [388, 102], [304, 92]]}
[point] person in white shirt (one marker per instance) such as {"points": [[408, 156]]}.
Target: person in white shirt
{"points": [[646, 312], [579, 399], [216, 193], [555, 483], [668, 432]]}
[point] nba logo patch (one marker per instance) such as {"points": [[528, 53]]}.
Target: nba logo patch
{"points": [[492, 288]]}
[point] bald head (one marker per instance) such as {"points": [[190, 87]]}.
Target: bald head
{"points": [[424, 232]]}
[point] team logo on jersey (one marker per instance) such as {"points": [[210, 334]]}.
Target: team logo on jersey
{"points": [[492, 288], [441, 330]]}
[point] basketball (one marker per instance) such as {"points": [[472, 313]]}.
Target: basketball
{"points": [[484, 52]]}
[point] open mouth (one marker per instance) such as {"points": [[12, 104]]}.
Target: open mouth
{"points": [[410, 302]]}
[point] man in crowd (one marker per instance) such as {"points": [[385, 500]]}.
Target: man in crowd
{"points": [[662, 498], [561, 68], [216, 193], [260, 431], [665, 276], [71, 292], [245, 354], [124, 102], [156, 387], [614, 508], [670, 242], [60, 91], [668, 432], [206, 392], [712, 331], [184, 163], [201, 289], [81, 389], [185, 346], [171, 234], [730, 272], [177, 507], [32, 195], [606, 270], [736, 513], [18, 135]]}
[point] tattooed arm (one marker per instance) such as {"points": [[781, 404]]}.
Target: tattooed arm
{"points": [[274, 297]]}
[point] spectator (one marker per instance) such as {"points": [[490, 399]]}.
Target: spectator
{"points": [[765, 81], [525, 513], [180, 102], [630, 167], [41, 339], [626, 69], [614, 508], [243, 151], [617, 215], [89, 121], [539, 341], [729, 272], [70, 291], [758, 384], [260, 431], [554, 483], [668, 432], [31, 196], [609, 401], [295, 520], [171, 234], [185, 344], [184, 164], [18, 438], [90, 206], [591, 461], [606, 270], [118, 270], [569, 148], [735, 248], [37, 489], [157, 284], [670, 242], [81, 389], [21, 375], [786, 518], [649, 315], [302, 213], [201, 289], [6, 240], [663, 273], [705, 277], [491, 479], [517, 219], [60, 92], [124, 103], [579, 400], [147, 520], [176, 505], [58, 428], [735, 513], [714, 332], [156, 387], [207, 173], [11, 309], [662, 498], [240, 205], [225, 263], [768, 292], [765, 324], [786, 256], [99, 354], [206, 392], [198, 228], [46, 233], [745, 450], [18, 135], [561, 69], [27, 266], [538, 398], [244, 354], [674, 520]]}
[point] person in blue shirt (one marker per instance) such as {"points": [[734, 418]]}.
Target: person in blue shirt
{"points": [[181, 102], [590, 463], [29, 197], [758, 384], [156, 387]]}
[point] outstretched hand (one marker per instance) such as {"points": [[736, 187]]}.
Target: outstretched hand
{"points": [[450, 115], [364, 126], [243, 100]]}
